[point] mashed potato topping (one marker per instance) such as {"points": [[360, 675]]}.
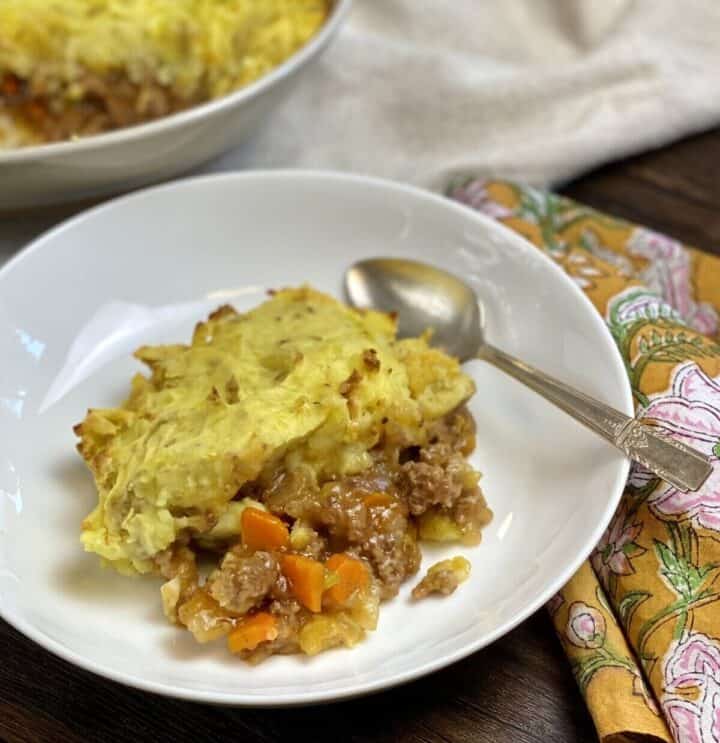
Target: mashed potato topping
{"points": [[301, 380]]}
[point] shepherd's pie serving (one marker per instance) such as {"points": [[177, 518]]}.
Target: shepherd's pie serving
{"points": [[70, 68], [307, 451]]}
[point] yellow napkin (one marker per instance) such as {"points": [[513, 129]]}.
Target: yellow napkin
{"points": [[640, 621]]}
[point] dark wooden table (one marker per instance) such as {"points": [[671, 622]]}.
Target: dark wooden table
{"points": [[520, 689]]}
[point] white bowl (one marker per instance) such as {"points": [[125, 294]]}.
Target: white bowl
{"points": [[144, 269], [146, 153]]}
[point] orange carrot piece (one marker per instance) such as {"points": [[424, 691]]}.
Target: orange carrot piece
{"points": [[263, 531], [352, 574], [378, 499], [307, 580], [251, 631]]}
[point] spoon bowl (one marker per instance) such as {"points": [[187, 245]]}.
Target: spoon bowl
{"points": [[424, 297]]}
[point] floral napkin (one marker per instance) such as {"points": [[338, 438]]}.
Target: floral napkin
{"points": [[640, 620]]}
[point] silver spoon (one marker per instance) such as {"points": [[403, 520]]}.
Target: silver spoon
{"points": [[427, 297]]}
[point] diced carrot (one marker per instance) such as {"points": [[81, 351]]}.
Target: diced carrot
{"points": [[263, 531], [382, 500], [307, 579], [248, 634], [352, 574]]}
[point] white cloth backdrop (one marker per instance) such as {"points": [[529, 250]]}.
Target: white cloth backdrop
{"points": [[537, 90]]}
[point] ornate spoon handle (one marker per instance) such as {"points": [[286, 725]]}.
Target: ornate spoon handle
{"points": [[673, 461]]}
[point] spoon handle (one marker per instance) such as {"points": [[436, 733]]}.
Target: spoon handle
{"points": [[679, 464]]}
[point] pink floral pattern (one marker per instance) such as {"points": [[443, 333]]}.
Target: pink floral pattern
{"points": [[690, 412], [692, 689], [617, 546], [474, 193], [585, 626], [668, 274]]}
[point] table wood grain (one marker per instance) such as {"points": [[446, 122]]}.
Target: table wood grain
{"points": [[520, 689]]}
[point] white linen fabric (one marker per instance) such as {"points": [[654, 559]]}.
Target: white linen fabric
{"points": [[535, 90]]}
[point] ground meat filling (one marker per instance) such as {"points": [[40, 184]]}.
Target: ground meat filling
{"points": [[394, 558], [378, 531], [107, 103], [443, 582], [373, 517], [429, 484], [443, 578], [243, 581], [470, 510]]}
